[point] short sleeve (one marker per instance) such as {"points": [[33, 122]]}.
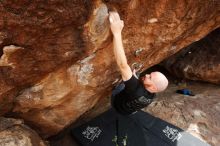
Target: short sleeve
{"points": [[131, 84]]}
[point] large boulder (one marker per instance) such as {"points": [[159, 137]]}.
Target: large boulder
{"points": [[13, 132], [198, 61], [57, 58]]}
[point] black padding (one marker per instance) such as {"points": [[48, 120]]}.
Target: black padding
{"points": [[170, 134], [139, 129]]}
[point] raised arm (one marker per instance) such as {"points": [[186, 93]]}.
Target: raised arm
{"points": [[117, 25]]}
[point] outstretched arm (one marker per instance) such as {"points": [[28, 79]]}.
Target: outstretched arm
{"points": [[117, 25]]}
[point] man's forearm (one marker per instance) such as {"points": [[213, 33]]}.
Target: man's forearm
{"points": [[119, 51]]}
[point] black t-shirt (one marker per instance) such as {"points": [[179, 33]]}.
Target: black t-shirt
{"points": [[133, 98]]}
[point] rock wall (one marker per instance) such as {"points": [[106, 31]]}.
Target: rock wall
{"points": [[14, 133], [56, 56], [199, 61]]}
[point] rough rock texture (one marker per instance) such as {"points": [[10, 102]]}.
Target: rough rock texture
{"points": [[14, 133], [57, 58], [199, 61], [198, 115]]}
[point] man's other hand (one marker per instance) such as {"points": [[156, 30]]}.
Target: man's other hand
{"points": [[116, 23]]}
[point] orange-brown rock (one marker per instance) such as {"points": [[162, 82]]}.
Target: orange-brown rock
{"points": [[13, 132], [57, 59], [199, 61]]}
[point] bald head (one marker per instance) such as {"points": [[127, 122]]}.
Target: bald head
{"points": [[155, 82], [160, 81]]}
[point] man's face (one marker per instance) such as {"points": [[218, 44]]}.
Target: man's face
{"points": [[148, 79]]}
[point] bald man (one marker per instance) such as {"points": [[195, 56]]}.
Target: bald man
{"points": [[134, 94]]}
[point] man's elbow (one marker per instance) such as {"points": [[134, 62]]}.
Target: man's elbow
{"points": [[123, 66]]}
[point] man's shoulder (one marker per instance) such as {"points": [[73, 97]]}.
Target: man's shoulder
{"points": [[133, 80]]}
